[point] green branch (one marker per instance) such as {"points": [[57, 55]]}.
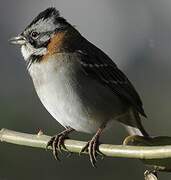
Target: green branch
{"points": [[40, 140], [153, 152]]}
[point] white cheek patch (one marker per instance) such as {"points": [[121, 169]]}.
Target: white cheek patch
{"points": [[28, 50]]}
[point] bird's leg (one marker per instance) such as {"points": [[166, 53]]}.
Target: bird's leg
{"points": [[92, 146], [57, 141]]}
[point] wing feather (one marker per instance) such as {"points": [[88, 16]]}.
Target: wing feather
{"points": [[97, 64]]}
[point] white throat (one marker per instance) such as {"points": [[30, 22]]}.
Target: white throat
{"points": [[27, 50]]}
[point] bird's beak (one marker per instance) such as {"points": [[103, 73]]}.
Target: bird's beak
{"points": [[20, 40]]}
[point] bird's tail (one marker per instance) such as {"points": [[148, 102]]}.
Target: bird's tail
{"points": [[132, 123], [136, 131]]}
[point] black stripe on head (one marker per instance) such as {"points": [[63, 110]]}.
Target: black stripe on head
{"points": [[37, 44], [46, 14], [45, 24]]}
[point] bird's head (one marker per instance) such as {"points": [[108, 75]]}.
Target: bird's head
{"points": [[48, 27]]}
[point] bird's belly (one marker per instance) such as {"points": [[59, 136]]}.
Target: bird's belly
{"points": [[56, 92], [66, 108], [74, 99]]}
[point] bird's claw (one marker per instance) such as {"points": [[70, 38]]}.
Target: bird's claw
{"points": [[136, 140], [57, 142], [92, 148]]}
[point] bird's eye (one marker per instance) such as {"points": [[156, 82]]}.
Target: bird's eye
{"points": [[34, 34]]}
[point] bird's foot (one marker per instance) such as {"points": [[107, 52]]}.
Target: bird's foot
{"points": [[57, 142], [92, 148], [137, 140], [151, 174]]}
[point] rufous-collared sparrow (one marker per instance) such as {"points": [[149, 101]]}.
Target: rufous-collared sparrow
{"points": [[79, 85]]}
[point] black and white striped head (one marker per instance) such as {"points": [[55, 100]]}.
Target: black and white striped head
{"points": [[35, 38]]}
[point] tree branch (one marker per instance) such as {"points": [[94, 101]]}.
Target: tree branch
{"points": [[40, 140], [158, 156]]}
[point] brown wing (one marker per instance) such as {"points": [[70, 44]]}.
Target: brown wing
{"points": [[97, 64]]}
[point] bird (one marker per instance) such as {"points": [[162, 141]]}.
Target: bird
{"points": [[79, 85]]}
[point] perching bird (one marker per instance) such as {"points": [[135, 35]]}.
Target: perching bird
{"points": [[79, 85]]}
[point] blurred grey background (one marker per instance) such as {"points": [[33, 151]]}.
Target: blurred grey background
{"points": [[136, 34]]}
